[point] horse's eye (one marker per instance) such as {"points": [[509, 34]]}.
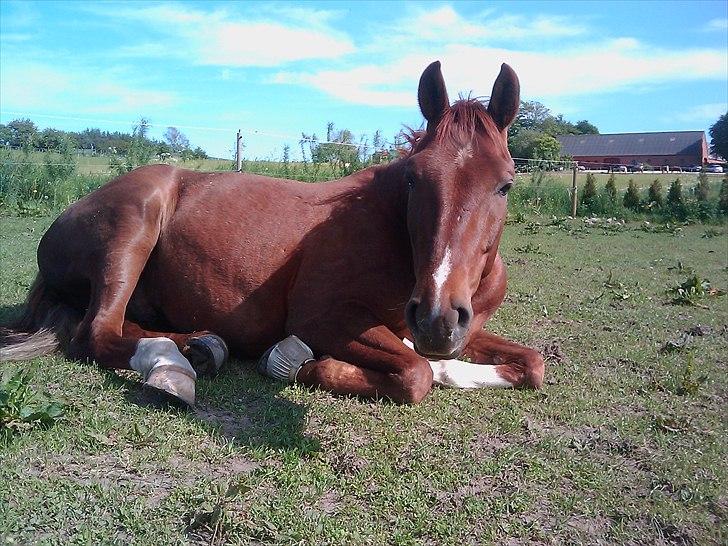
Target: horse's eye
{"points": [[505, 188]]}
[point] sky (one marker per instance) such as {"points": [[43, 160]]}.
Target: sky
{"points": [[276, 69]]}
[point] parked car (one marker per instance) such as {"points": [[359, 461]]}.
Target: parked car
{"points": [[713, 169], [693, 169], [619, 169]]}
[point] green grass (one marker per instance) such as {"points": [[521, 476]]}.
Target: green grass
{"points": [[625, 443]]}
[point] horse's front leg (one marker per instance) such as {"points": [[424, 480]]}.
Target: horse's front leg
{"points": [[357, 356], [492, 362], [516, 364]]}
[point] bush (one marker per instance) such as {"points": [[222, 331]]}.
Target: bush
{"points": [[611, 188], [723, 199], [654, 195], [674, 194], [631, 199], [589, 193], [702, 190]]}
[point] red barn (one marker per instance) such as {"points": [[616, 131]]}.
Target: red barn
{"points": [[675, 148]]}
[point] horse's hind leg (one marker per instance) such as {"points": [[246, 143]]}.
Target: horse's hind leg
{"points": [[104, 336]]}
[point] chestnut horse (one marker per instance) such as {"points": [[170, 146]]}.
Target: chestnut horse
{"points": [[139, 273]]}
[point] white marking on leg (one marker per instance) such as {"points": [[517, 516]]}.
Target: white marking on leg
{"points": [[464, 375], [153, 352], [441, 274]]}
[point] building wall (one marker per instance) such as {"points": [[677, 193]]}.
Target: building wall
{"points": [[656, 161]]}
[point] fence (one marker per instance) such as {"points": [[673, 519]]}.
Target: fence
{"points": [[545, 185]]}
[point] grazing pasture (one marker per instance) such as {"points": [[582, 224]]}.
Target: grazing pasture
{"points": [[626, 443]]}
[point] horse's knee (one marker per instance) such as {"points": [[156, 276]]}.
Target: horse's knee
{"points": [[415, 383]]}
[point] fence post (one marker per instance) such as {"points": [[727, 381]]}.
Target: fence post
{"points": [[574, 199], [239, 152]]}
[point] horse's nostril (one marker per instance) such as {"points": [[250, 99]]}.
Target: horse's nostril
{"points": [[410, 314], [464, 316]]}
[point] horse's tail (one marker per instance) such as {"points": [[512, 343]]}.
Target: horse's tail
{"points": [[44, 327]]}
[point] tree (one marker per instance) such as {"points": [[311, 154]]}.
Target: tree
{"points": [[586, 128], [590, 191], [176, 139], [702, 190], [546, 147], [654, 194], [719, 136], [611, 188], [339, 148], [631, 196], [23, 133], [523, 143], [199, 153], [6, 135], [674, 193]]}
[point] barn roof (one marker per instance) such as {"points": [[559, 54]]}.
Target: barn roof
{"points": [[621, 144]]}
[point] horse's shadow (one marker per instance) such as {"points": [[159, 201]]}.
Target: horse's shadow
{"points": [[239, 406]]}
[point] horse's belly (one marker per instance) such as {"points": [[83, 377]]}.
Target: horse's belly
{"points": [[208, 289]]}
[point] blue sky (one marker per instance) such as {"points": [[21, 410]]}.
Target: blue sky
{"points": [[277, 69]]}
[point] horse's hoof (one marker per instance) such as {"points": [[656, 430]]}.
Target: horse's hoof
{"points": [[171, 385], [284, 359], [207, 354]]}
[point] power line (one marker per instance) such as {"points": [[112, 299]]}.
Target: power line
{"points": [[186, 127]]}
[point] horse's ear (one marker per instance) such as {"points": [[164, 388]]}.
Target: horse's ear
{"points": [[505, 98], [432, 94]]}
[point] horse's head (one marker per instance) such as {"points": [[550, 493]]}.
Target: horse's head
{"points": [[458, 172]]}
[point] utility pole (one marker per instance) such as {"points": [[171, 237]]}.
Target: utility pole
{"points": [[574, 200], [239, 152]]}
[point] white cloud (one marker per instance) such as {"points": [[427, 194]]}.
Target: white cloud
{"points": [[609, 66], [445, 25], [701, 113], [224, 39], [717, 24], [36, 86]]}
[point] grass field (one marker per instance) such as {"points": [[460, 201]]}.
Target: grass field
{"points": [[626, 443]]}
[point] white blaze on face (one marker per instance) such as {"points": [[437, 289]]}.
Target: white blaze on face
{"points": [[441, 274], [464, 153], [464, 375]]}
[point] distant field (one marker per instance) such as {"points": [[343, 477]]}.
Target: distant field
{"points": [[642, 180], [626, 444], [100, 165]]}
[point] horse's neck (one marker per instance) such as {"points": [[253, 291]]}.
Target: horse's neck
{"points": [[383, 186]]}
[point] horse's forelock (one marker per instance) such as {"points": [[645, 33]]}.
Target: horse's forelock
{"points": [[459, 125]]}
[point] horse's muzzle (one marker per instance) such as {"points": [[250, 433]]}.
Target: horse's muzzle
{"points": [[438, 333]]}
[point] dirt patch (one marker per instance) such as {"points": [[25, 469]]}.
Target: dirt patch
{"points": [[552, 351], [329, 502], [230, 424], [108, 471]]}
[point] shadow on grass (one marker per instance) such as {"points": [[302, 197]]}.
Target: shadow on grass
{"points": [[240, 406], [10, 313]]}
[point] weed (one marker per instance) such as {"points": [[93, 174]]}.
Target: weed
{"points": [[529, 248], [681, 268], [710, 233], [618, 290], [692, 289], [21, 407], [689, 384]]}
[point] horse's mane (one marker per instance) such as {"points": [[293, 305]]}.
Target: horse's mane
{"points": [[459, 124]]}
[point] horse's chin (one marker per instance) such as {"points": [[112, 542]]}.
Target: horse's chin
{"points": [[446, 354]]}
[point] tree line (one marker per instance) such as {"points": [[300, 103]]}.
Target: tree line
{"points": [[24, 133]]}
